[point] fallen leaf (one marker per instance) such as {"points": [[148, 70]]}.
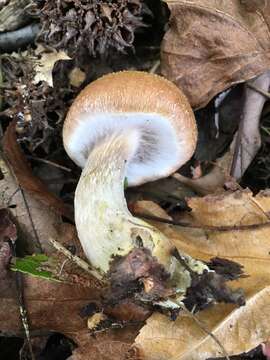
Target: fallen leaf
{"points": [[53, 306], [128, 311], [25, 178], [57, 306], [35, 221], [212, 45], [33, 265], [44, 66], [234, 226], [110, 345], [50, 305], [213, 181], [242, 330]]}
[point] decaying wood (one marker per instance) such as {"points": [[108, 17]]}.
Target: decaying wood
{"points": [[13, 15], [13, 40]]}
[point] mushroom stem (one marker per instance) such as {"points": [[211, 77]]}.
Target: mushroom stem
{"points": [[105, 226]]}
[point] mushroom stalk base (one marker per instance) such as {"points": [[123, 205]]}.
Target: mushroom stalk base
{"points": [[105, 226]]}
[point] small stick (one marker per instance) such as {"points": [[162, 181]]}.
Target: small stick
{"points": [[260, 91], [203, 227], [154, 68], [202, 327], [21, 303], [78, 261], [49, 163]]}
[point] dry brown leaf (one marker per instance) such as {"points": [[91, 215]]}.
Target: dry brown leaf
{"points": [[36, 222], [44, 66], [50, 306], [56, 307], [77, 291], [110, 345], [249, 247], [212, 182], [241, 331], [23, 172], [212, 45]]}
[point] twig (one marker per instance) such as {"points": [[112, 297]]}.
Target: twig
{"points": [[260, 91], [23, 311], [259, 207], [203, 227], [24, 319], [203, 327], [62, 266], [182, 261], [38, 243], [78, 261], [31, 219], [154, 68], [51, 163], [265, 129]]}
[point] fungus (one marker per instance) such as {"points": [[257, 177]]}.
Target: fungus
{"points": [[140, 127]]}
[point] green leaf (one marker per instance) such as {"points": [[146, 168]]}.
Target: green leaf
{"points": [[35, 265]]}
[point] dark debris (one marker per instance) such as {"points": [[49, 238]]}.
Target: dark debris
{"points": [[209, 288], [38, 108], [97, 27], [8, 235], [230, 270], [255, 354], [138, 273]]}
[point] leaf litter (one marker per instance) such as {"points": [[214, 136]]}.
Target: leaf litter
{"points": [[228, 252], [250, 248]]}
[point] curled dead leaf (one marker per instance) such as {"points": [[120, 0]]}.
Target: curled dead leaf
{"points": [[36, 211], [25, 177], [50, 305], [242, 330], [110, 345], [217, 221], [44, 66], [212, 45]]}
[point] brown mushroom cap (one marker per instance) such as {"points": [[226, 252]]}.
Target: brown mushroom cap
{"points": [[133, 101]]}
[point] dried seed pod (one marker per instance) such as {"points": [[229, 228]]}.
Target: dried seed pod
{"points": [[95, 26]]}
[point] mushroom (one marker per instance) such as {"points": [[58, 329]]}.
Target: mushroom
{"points": [[140, 127]]}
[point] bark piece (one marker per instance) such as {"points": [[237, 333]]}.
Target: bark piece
{"points": [[13, 15]]}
